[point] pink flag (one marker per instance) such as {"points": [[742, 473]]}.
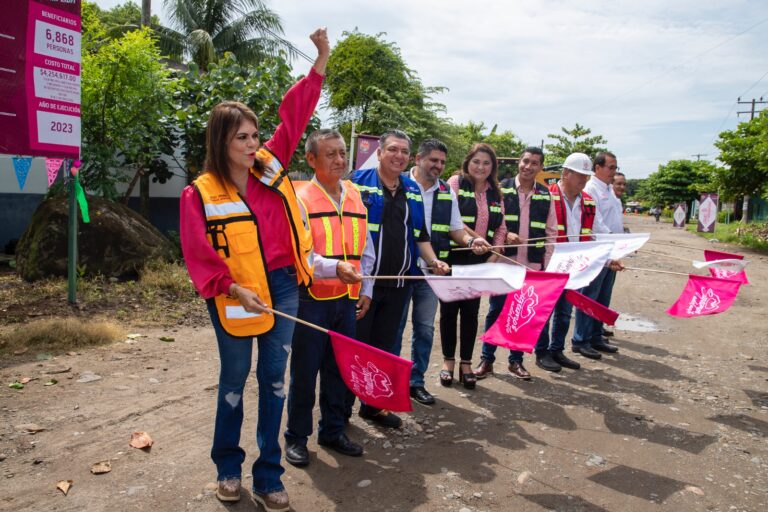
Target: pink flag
{"points": [[591, 307], [526, 311], [378, 378], [740, 277], [704, 296], [52, 165]]}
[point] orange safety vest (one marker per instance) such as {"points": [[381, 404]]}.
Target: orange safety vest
{"points": [[336, 235], [233, 231]]}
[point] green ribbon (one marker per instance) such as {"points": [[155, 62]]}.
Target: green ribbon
{"points": [[80, 195]]}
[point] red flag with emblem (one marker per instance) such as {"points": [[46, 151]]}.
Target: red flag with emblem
{"points": [[378, 378], [704, 296], [526, 311], [591, 307], [722, 273]]}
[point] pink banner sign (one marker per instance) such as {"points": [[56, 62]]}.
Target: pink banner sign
{"points": [[40, 78], [52, 165], [378, 378], [366, 151], [679, 215], [526, 311], [704, 296], [707, 213], [723, 273], [591, 307]]}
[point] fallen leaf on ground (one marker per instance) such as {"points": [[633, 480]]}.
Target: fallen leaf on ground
{"points": [[20, 351], [64, 486], [16, 385], [43, 356], [102, 467], [694, 490], [59, 369], [27, 380], [51, 382], [141, 440], [134, 336], [30, 428], [88, 377], [167, 339], [524, 477]]}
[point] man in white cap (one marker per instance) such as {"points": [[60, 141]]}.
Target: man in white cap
{"points": [[588, 330], [575, 212]]}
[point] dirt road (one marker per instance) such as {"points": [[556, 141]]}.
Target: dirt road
{"points": [[676, 421]]}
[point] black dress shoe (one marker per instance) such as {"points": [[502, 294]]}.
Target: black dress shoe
{"points": [[605, 347], [587, 351], [297, 454], [421, 395], [560, 359], [546, 362], [381, 417], [343, 445]]}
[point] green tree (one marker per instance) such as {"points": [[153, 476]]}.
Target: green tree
{"points": [[575, 140], [203, 30], [678, 181], [102, 24], [744, 151], [126, 108], [261, 87], [633, 185]]}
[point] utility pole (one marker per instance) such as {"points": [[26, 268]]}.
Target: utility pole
{"points": [[751, 112], [699, 155]]}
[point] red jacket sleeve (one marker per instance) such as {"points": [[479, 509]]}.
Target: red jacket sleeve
{"points": [[296, 110], [209, 273]]}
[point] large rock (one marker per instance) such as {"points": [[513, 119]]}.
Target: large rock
{"points": [[116, 243]]}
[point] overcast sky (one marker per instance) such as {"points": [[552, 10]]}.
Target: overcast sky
{"points": [[658, 79]]}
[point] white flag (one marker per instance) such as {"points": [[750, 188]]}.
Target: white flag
{"points": [[730, 266], [582, 260], [623, 243], [473, 281]]}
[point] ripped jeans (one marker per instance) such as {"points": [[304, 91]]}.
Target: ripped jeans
{"points": [[235, 355]]}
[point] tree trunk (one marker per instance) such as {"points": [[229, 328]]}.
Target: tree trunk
{"points": [[144, 194], [146, 12], [745, 210], [131, 186]]}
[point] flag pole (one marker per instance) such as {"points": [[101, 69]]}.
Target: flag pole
{"points": [[511, 260], [297, 320], [658, 271], [677, 246], [665, 255]]}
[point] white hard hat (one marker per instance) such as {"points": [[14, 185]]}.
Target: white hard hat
{"points": [[579, 162]]}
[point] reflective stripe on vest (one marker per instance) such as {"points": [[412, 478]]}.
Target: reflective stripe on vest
{"points": [[336, 235]]}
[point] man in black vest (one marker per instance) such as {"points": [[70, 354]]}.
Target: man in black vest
{"points": [[443, 221], [529, 214]]}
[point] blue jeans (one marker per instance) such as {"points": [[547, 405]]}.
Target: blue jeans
{"points": [[587, 329], [235, 356], [313, 354], [488, 354], [423, 324], [561, 320]]}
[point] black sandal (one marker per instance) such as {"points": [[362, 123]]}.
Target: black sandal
{"points": [[446, 376], [468, 379]]}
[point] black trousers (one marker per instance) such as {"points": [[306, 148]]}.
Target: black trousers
{"points": [[449, 318]]}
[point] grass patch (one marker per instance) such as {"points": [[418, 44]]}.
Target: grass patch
{"points": [[61, 334], [753, 235]]}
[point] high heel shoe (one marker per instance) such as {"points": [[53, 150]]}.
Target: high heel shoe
{"points": [[468, 378], [446, 376]]}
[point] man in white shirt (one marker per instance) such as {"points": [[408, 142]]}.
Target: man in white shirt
{"points": [[444, 224], [589, 330]]}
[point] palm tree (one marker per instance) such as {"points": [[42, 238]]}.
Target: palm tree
{"points": [[204, 29]]}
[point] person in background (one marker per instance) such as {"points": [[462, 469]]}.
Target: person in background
{"points": [[246, 250], [619, 185], [482, 210]]}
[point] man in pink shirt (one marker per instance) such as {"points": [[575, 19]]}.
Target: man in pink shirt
{"points": [[528, 214]]}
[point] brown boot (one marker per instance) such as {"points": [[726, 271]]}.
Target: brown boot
{"points": [[484, 369]]}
